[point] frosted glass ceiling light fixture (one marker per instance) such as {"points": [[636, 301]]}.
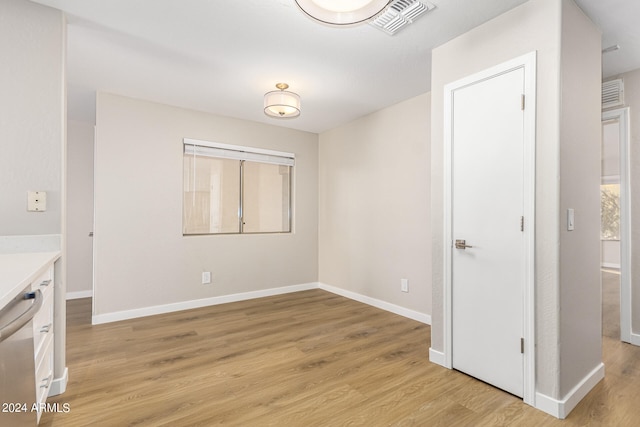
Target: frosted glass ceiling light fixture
{"points": [[342, 12], [281, 103]]}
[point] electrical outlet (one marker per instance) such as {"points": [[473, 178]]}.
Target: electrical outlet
{"points": [[404, 285], [206, 277]]}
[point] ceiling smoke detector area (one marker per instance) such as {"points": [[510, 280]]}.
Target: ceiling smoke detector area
{"points": [[399, 14]]}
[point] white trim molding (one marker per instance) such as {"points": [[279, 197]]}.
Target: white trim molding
{"points": [[436, 357], [79, 294], [562, 408], [205, 302], [59, 385], [610, 265], [383, 305]]}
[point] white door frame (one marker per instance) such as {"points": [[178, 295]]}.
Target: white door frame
{"points": [[622, 115], [528, 63]]}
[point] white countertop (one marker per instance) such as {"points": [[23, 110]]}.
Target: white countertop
{"points": [[18, 270]]}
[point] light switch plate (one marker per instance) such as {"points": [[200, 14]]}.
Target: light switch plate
{"points": [[570, 220], [36, 201]]}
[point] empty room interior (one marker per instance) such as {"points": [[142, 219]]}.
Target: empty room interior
{"points": [[319, 212]]}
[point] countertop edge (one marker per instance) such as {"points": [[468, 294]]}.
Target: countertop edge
{"points": [[18, 270]]}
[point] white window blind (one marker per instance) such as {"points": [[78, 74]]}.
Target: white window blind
{"points": [[224, 151]]}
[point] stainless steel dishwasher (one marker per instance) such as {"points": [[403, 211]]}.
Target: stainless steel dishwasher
{"points": [[17, 370]]}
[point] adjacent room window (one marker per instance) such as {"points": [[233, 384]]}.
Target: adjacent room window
{"points": [[232, 189], [610, 211], [610, 183]]}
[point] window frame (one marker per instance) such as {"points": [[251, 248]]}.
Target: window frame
{"points": [[242, 154]]}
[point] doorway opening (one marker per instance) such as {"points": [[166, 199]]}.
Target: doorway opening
{"points": [[615, 226]]}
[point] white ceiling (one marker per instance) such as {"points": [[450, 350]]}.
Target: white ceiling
{"points": [[222, 56]]}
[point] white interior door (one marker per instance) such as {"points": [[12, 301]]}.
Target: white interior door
{"points": [[487, 197]]}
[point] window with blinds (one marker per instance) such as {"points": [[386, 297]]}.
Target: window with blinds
{"points": [[233, 189]]}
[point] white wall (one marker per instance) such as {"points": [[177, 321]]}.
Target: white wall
{"points": [[610, 166], [142, 259], [580, 159], [610, 253], [374, 205], [537, 25], [32, 137], [31, 116], [80, 136]]}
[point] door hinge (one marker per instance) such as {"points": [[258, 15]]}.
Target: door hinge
{"points": [[522, 223], [522, 102], [522, 345]]}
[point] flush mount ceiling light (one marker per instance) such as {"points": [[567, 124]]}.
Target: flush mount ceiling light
{"points": [[342, 12], [281, 103]]}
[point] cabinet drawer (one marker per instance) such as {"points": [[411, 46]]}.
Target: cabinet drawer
{"points": [[44, 282], [44, 374], [43, 324]]}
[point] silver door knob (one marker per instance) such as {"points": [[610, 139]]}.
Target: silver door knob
{"points": [[462, 244]]}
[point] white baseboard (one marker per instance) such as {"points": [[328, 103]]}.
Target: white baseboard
{"points": [[436, 357], [562, 408], [635, 339], [610, 265], [79, 294], [387, 306], [186, 305], [59, 385]]}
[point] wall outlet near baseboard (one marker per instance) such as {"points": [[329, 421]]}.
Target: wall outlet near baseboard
{"points": [[404, 285], [206, 277]]}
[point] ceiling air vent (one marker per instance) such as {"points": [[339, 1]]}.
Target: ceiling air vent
{"points": [[612, 93], [400, 13]]}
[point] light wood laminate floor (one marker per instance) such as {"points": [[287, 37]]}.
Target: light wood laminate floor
{"points": [[305, 359]]}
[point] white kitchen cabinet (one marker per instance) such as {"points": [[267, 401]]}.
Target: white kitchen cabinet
{"points": [[43, 338], [20, 273]]}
